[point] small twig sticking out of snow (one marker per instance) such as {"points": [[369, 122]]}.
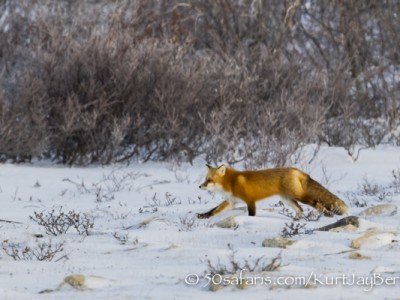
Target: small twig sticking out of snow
{"points": [[8, 221]]}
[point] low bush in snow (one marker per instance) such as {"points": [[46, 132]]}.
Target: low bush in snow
{"points": [[46, 251], [56, 223]]}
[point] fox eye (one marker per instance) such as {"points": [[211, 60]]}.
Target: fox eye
{"points": [[208, 180]]}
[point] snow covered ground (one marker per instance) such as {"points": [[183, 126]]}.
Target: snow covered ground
{"points": [[147, 244]]}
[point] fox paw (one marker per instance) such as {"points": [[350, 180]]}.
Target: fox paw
{"points": [[298, 216], [328, 213], [203, 216]]}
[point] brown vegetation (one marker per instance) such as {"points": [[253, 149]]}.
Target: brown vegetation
{"points": [[103, 81]]}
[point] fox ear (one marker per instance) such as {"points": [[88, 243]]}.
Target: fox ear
{"points": [[208, 166], [221, 170]]}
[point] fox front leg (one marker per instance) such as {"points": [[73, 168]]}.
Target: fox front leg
{"points": [[224, 206], [251, 207]]}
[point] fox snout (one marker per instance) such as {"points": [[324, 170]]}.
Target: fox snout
{"points": [[213, 178]]}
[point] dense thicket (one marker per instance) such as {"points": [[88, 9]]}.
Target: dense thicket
{"points": [[254, 80]]}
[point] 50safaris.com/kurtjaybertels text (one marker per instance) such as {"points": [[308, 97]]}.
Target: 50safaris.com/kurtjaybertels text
{"points": [[366, 281]]}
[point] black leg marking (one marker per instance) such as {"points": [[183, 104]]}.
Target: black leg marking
{"points": [[252, 209]]}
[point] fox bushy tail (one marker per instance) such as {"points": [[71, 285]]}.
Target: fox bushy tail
{"points": [[329, 201]]}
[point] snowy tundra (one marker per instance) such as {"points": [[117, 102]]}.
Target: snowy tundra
{"points": [[131, 232]]}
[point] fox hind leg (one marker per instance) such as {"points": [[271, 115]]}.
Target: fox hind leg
{"points": [[322, 209], [293, 203], [318, 206]]}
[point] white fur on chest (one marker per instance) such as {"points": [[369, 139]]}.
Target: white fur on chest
{"points": [[228, 196]]}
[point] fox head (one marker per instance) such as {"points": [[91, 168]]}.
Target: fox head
{"points": [[213, 181]]}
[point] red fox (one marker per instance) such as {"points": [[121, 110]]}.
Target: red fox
{"points": [[251, 186]]}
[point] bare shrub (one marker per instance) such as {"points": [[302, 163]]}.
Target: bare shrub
{"points": [[188, 223], [145, 210], [56, 223], [248, 264], [42, 251], [99, 82], [312, 215], [385, 196], [354, 200], [369, 188], [105, 189], [396, 181], [309, 215], [286, 212], [168, 200], [293, 228]]}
